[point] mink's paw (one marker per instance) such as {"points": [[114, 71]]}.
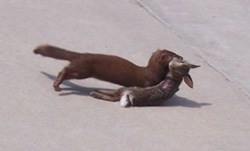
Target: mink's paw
{"points": [[57, 89]]}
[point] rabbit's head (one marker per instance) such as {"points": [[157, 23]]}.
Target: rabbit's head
{"points": [[179, 69]]}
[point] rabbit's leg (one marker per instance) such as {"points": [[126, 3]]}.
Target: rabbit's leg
{"points": [[126, 99], [107, 92], [102, 96]]}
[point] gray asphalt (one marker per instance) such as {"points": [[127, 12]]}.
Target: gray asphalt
{"points": [[213, 116]]}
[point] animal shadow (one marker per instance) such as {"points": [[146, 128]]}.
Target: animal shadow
{"points": [[73, 89], [184, 102]]}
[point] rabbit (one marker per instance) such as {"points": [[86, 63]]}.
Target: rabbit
{"points": [[152, 95]]}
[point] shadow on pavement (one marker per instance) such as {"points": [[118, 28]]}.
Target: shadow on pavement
{"points": [[75, 89], [184, 102]]}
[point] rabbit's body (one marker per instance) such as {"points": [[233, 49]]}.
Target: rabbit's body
{"points": [[152, 95], [149, 96]]}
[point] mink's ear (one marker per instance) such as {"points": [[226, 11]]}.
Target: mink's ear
{"points": [[188, 80], [165, 59], [164, 56]]}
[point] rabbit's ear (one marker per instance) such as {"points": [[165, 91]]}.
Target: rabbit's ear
{"points": [[191, 66], [188, 80]]}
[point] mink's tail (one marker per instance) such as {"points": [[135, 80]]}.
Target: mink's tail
{"points": [[56, 52]]}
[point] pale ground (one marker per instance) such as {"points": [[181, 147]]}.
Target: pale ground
{"points": [[213, 116]]}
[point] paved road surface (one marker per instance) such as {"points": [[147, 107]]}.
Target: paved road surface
{"points": [[217, 30], [213, 116]]}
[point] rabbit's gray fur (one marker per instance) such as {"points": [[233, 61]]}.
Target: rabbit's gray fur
{"points": [[153, 95]]}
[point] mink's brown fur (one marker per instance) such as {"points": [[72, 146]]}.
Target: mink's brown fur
{"points": [[109, 68]]}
